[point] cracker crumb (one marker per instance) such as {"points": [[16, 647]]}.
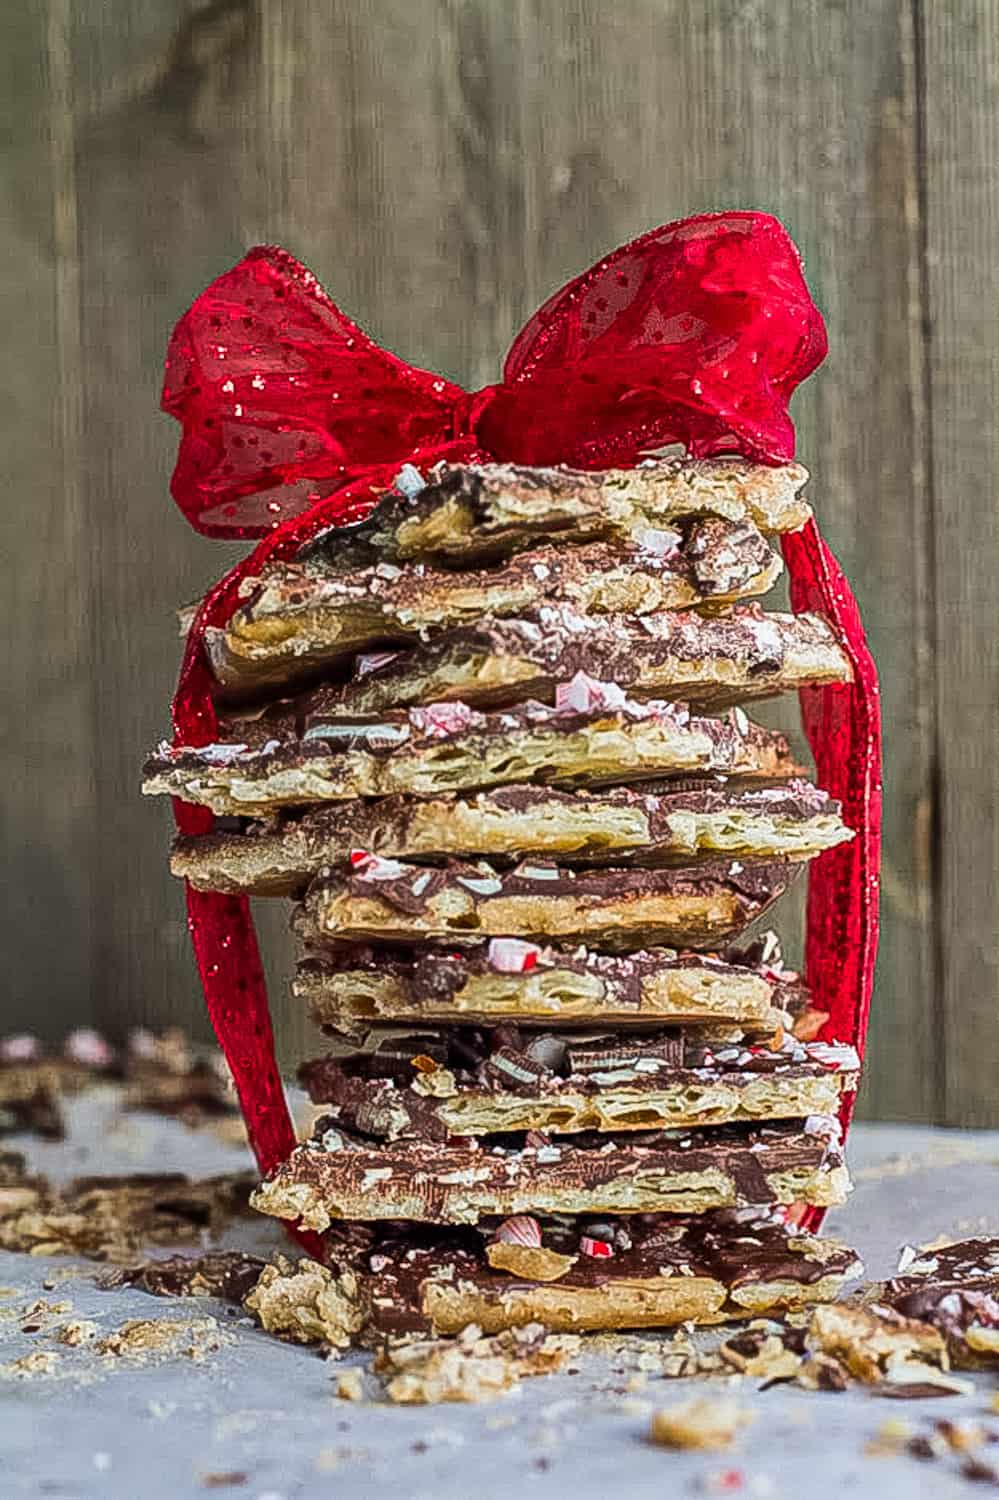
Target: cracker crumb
{"points": [[77, 1331], [891, 1437], [307, 1303], [470, 1368], [350, 1385], [700, 1423], [38, 1362], [193, 1338]]}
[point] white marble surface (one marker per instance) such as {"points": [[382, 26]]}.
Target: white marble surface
{"points": [[266, 1411]]}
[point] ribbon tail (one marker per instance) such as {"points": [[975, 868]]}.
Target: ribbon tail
{"points": [[842, 723], [232, 978]]}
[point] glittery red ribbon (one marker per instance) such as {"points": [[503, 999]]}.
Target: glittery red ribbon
{"points": [[295, 421]]}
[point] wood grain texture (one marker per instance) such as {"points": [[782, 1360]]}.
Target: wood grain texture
{"points": [[47, 750], [444, 165], [960, 52]]}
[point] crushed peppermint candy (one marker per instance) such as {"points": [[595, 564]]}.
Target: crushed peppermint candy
{"points": [[21, 1048], [481, 886], [409, 481], [598, 1249], [838, 1055], [521, 1229], [372, 660], [740, 720], [85, 1045], [915, 1263], [441, 719], [825, 1128], [142, 1043], [511, 956], [584, 693], [537, 872], [373, 867], [659, 542]]}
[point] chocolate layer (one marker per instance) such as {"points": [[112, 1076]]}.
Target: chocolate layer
{"points": [[697, 907], [655, 826], [298, 755], [302, 617], [468, 1082], [478, 513], [340, 1176], [718, 1265], [709, 660]]}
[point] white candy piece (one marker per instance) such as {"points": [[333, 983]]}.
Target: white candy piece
{"points": [[512, 956]]}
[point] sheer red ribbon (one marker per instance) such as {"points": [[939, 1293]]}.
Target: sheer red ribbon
{"points": [[294, 421]]}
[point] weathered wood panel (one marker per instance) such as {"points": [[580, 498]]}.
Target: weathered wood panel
{"points": [[443, 165], [960, 51], [48, 747]]}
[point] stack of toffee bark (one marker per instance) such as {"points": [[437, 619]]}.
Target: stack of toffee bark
{"points": [[492, 742]]}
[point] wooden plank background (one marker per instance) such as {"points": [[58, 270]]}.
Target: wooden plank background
{"points": [[443, 165]]}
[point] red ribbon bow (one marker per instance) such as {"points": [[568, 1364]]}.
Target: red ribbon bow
{"points": [[295, 421]]}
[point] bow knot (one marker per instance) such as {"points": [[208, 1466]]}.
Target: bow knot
{"points": [[696, 333]]}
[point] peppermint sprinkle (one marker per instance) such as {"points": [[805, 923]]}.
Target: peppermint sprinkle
{"points": [[536, 872], [836, 1055], [598, 1249], [824, 1127], [373, 867], [585, 693], [441, 719], [84, 1045], [373, 660], [18, 1048], [409, 481], [511, 956], [487, 886]]}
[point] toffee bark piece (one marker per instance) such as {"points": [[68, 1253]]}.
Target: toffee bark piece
{"points": [[646, 827], [335, 1176], [302, 617], [603, 1082], [711, 661], [111, 1218], [227, 1274], [469, 514], [33, 1088], [698, 906], [349, 987], [661, 1271], [171, 1075], [451, 748], [954, 1288]]}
